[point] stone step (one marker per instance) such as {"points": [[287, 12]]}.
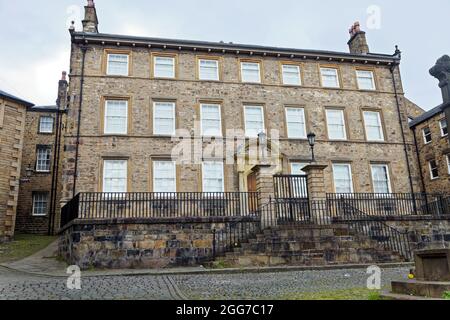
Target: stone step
{"points": [[405, 297], [421, 288]]}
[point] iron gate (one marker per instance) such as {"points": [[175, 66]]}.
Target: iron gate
{"points": [[291, 198]]}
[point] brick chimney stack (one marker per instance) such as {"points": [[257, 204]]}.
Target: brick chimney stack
{"points": [[90, 22], [358, 42], [62, 91]]}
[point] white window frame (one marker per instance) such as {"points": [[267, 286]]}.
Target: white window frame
{"points": [[243, 75], [443, 127], [106, 130], [154, 178], [387, 174], [304, 164], [299, 70], [448, 163], [216, 61], [288, 127], [204, 176], [338, 80], [173, 117], [52, 124], [48, 150], [342, 113], [219, 130], [431, 169], [35, 195], [104, 177], [108, 71], [372, 78], [380, 122], [349, 166], [426, 135], [245, 120], [174, 69]]}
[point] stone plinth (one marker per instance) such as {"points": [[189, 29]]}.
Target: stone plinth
{"points": [[433, 265]]}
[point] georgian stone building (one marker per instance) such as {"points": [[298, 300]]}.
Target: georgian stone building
{"points": [[129, 95], [430, 131], [12, 128]]}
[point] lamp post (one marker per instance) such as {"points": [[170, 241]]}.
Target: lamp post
{"points": [[29, 171], [312, 142]]}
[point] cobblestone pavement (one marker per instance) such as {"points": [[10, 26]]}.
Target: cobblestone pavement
{"points": [[16, 285]]}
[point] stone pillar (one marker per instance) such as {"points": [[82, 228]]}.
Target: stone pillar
{"points": [[441, 71], [317, 191], [265, 189]]}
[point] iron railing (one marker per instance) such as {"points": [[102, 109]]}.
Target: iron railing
{"points": [[233, 234], [159, 205], [288, 187], [329, 212], [394, 204]]}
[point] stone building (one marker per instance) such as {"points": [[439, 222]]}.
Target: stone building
{"points": [[130, 94], [431, 137], [12, 128], [40, 188]]}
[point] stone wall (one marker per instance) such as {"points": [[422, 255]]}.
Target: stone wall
{"points": [[423, 232], [37, 182], [437, 150], [12, 127], [139, 243], [139, 146]]}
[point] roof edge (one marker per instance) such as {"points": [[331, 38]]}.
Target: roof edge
{"points": [[119, 40], [10, 97]]}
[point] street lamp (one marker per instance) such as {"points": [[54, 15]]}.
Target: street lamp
{"points": [[312, 142], [29, 171]]}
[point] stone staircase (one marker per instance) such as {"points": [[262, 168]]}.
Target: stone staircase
{"points": [[309, 245]]}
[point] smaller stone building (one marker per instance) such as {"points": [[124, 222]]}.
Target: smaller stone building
{"points": [[12, 128], [432, 139], [40, 188]]}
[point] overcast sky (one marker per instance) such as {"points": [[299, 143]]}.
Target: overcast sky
{"points": [[35, 43]]}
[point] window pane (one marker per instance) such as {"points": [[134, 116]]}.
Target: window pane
{"points": [[164, 67], [365, 80], [374, 130], [342, 178], [43, 159], [444, 127], [330, 78], [211, 120], [297, 168], [295, 118], [46, 125], [164, 176], [254, 121], [116, 117], [336, 125], [434, 171], [427, 135], [40, 203], [291, 75], [208, 70], [164, 118], [115, 176], [380, 178], [213, 177], [118, 64], [250, 72]]}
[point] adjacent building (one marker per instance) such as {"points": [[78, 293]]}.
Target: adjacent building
{"points": [[432, 139], [130, 95], [12, 130], [40, 188]]}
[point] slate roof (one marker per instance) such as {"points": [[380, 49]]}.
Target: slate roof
{"points": [[427, 115], [13, 98]]}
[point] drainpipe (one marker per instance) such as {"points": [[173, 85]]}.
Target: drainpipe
{"points": [[56, 157], [403, 135], [77, 152], [422, 181]]}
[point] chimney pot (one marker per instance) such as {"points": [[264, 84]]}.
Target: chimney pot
{"points": [[64, 75]]}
